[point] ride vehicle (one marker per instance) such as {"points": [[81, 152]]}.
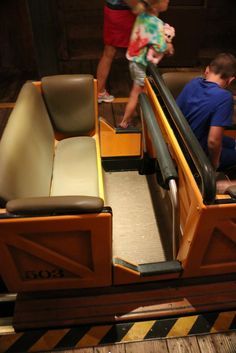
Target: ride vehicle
{"points": [[84, 241]]}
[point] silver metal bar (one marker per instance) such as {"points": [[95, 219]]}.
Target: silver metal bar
{"points": [[173, 192], [8, 297]]}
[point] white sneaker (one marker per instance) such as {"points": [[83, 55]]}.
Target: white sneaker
{"points": [[105, 97]]}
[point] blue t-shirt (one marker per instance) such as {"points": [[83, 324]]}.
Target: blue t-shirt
{"points": [[205, 104]]}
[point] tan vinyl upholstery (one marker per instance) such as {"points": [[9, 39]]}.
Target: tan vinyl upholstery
{"points": [[30, 164], [176, 81], [26, 149], [55, 205], [70, 102], [75, 167]]}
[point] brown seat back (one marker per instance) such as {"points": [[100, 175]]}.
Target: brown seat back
{"points": [[70, 103], [176, 81]]}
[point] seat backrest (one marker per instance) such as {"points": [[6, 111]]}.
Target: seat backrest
{"points": [[26, 148], [176, 81], [70, 103]]}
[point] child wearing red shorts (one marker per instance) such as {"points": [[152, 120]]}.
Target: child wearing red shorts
{"points": [[118, 23]]}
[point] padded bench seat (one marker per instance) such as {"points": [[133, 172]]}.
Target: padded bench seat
{"points": [[53, 223], [32, 163]]}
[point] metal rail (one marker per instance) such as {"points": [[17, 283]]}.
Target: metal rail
{"points": [[167, 168], [200, 160]]}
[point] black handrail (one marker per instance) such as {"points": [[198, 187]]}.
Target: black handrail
{"points": [[194, 148], [166, 164]]}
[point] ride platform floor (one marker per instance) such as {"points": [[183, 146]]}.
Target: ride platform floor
{"points": [[205, 333], [138, 235], [217, 343]]}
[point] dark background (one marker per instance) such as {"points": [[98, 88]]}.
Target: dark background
{"points": [[42, 37]]}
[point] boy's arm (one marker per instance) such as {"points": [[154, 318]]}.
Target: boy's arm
{"points": [[214, 143]]}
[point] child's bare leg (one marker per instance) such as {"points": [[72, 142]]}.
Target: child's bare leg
{"points": [[131, 105], [104, 66]]}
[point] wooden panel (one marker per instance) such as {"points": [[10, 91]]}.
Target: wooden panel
{"points": [[218, 343], [118, 144], [105, 111], [213, 244], [72, 308], [184, 20], [72, 29], [16, 50], [46, 253], [41, 14], [185, 344], [159, 346], [120, 348]]}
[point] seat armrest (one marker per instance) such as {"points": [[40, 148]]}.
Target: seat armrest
{"points": [[55, 205]]}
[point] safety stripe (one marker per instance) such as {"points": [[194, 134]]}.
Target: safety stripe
{"points": [[50, 339], [26, 341], [223, 321], [204, 323], [181, 327], [138, 331], [94, 335], [6, 342], [71, 339]]}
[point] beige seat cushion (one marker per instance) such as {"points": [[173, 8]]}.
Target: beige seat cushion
{"points": [[75, 168]]}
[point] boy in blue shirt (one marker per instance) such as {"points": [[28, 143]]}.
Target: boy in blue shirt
{"points": [[208, 108]]}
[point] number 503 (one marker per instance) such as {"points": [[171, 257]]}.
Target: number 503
{"points": [[44, 274]]}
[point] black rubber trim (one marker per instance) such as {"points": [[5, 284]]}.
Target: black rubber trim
{"points": [[157, 268], [115, 164], [6, 215], [165, 162], [151, 269], [128, 130], [194, 148]]}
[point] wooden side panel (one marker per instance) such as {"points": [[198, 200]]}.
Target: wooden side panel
{"points": [[118, 144], [212, 244], [59, 252], [130, 303]]}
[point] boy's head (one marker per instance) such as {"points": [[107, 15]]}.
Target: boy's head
{"points": [[223, 65]]}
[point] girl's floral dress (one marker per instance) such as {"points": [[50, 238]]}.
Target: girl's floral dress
{"points": [[148, 31]]}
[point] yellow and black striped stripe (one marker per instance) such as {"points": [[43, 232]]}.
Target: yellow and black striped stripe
{"points": [[90, 336]]}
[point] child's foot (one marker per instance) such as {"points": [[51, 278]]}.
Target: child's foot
{"points": [[105, 97], [124, 124]]}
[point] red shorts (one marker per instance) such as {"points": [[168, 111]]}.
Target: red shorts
{"points": [[117, 27]]}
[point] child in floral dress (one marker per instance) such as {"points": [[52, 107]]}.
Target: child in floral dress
{"points": [[148, 31]]}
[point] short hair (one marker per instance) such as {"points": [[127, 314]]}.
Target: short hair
{"points": [[224, 64]]}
